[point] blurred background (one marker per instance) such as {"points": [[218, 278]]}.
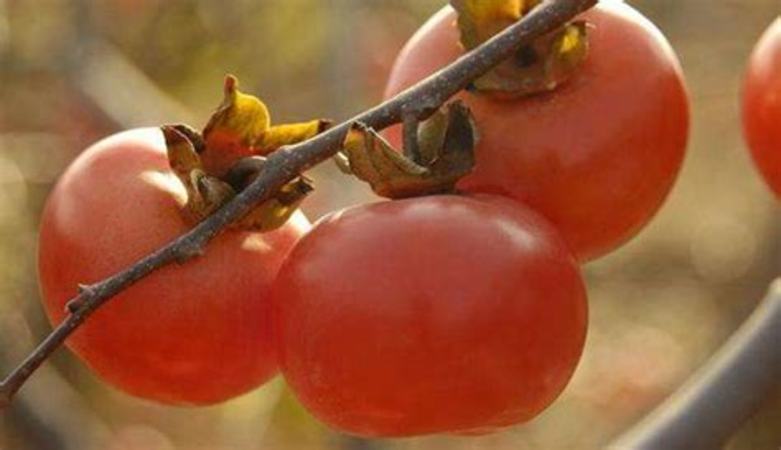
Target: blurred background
{"points": [[74, 71]]}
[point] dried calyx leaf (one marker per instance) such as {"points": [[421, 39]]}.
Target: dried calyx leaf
{"points": [[274, 212], [205, 193], [215, 165], [479, 20], [241, 127], [446, 146], [539, 67]]}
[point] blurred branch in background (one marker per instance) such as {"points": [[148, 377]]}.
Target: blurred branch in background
{"points": [[122, 92], [723, 394], [112, 82]]}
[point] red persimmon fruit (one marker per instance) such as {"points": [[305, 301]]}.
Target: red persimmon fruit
{"points": [[599, 154], [195, 333], [762, 105], [426, 315]]}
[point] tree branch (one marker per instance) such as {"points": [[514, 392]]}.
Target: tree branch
{"points": [[718, 399], [282, 166]]}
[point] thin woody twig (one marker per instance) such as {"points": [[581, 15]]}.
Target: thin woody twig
{"points": [[287, 163]]}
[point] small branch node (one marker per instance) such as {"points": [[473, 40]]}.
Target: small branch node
{"points": [[74, 305], [187, 250], [424, 106], [86, 292]]}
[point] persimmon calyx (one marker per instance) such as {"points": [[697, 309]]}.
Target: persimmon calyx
{"points": [[538, 67], [274, 212], [206, 193], [219, 162], [479, 20], [446, 144], [241, 126]]}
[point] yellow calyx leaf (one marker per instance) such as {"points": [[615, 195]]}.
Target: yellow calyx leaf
{"points": [[241, 127], [538, 67], [569, 41], [241, 116], [478, 20], [281, 135]]}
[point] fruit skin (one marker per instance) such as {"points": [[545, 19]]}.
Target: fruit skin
{"points": [[193, 334], [762, 106], [426, 315], [597, 156]]}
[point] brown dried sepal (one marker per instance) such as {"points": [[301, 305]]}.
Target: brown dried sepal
{"points": [[540, 67], [209, 163], [274, 212], [446, 144], [207, 193]]}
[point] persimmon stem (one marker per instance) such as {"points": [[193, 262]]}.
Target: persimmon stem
{"points": [[421, 100], [410, 123]]}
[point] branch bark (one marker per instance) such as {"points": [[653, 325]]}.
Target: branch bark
{"points": [[282, 166]]}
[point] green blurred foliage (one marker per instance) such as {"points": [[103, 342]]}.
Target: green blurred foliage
{"points": [[72, 71]]}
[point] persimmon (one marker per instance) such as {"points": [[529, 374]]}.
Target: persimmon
{"points": [[195, 333], [597, 155], [432, 314], [762, 105]]}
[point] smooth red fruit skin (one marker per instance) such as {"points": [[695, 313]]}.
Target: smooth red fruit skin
{"points": [[762, 106], [196, 333], [427, 315], [599, 155]]}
